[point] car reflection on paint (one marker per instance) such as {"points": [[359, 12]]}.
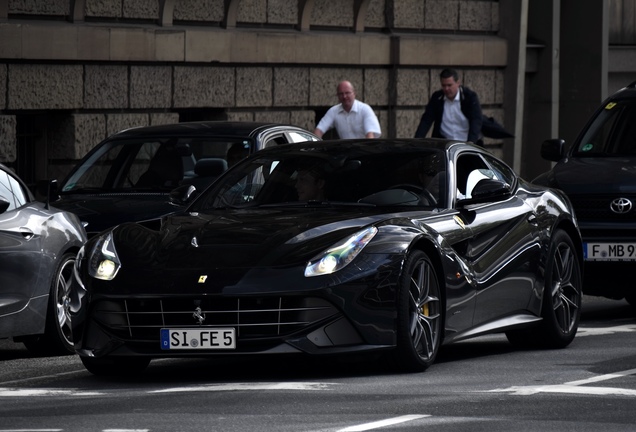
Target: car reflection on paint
{"points": [[391, 247]]}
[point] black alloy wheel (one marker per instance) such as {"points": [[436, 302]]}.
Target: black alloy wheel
{"points": [[419, 314], [562, 297]]}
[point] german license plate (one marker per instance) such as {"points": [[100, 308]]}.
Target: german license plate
{"points": [[610, 251], [198, 338]]}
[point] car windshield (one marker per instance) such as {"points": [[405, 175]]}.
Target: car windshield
{"points": [[156, 164], [612, 133], [347, 177]]}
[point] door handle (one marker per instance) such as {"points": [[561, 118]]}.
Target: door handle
{"points": [[26, 233]]}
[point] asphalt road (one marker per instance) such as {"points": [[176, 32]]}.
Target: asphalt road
{"points": [[478, 385]]}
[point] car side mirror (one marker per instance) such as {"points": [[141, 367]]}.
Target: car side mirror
{"points": [[488, 190], [4, 204], [49, 189], [553, 149]]}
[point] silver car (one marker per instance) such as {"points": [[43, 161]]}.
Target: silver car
{"points": [[38, 246]]}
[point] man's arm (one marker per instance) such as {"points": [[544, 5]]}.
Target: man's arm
{"points": [[325, 123], [370, 123], [425, 123], [429, 115]]}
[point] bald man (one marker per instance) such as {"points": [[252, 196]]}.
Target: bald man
{"points": [[351, 118]]}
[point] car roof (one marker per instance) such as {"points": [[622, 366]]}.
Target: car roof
{"points": [[217, 128], [627, 92]]}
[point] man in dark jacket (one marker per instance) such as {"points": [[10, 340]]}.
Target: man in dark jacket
{"points": [[454, 111]]}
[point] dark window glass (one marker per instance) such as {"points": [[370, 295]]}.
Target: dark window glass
{"points": [[613, 132]]}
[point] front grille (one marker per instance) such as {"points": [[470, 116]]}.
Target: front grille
{"points": [[598, 208], [252, 317]]}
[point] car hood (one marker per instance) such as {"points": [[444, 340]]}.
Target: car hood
{"points": [[598, 175], [240, 238], [100, 212]]}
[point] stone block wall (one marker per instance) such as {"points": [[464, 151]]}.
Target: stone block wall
{"points": [[44, 86], [122, 63], [7, 138]]}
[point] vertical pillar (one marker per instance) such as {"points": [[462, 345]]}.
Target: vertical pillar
{"points": [[514, 28], [542, 84], [393, 93], [584, 62]]}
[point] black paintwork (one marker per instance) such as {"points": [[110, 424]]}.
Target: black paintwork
{"points": [[489, 255], [599, 167]]}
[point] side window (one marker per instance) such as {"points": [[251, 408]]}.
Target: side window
{"points": [[12, 191], [273, 140], [301, 137], [502, 172], [470, 168]]}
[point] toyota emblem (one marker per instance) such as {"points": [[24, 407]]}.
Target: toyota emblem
{"points": [[621, 205]]}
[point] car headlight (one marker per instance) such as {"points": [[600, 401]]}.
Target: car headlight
{"points": [[340, 254], [103, 261]]}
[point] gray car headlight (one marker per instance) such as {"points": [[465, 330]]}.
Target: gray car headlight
{"points": [[340, 254], [103, 262]]}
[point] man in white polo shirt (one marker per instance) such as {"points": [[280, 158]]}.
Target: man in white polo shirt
{"points": [[351, 118], [454, 111]]}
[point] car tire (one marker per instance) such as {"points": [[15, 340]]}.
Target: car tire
{"points": [[562, 297], [115, 366], [57, 338], [419, 314]]}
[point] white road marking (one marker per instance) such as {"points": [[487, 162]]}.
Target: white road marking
{"points": [[31, 430], [575, 387], [124, 430], [600, 331], [60, 430], [248, 386], [605, 377], [28, 392], [384, 423]]}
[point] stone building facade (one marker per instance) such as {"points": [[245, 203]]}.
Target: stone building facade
{"points": [[75, 71]]}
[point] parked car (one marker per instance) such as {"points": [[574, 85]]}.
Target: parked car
{"points": [[333, 248], [38, 245], [144, 173], [598, 174]]}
